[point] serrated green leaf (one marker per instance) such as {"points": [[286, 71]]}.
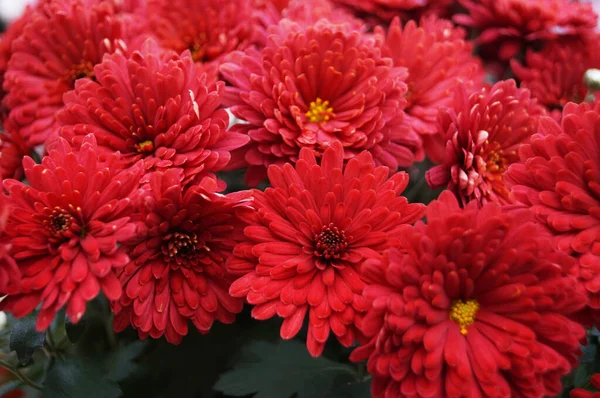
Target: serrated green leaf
{"points": [[73, 377], [124, 360], [24, 339], [281, 370]]}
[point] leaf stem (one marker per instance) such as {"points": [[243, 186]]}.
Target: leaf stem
{"points": [[22, 376]]}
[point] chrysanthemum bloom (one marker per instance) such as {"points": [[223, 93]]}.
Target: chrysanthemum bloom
{"points": [[61, 43], [12, 151], [308, 12], [558, 177], [438, 60], [581, 393], [472, 304], [13, 31], [483, 133], [209, 29], [9, 272], [507, 25], [407, 9], [65, 228], [177, 271], [313, 86], [311, 232], [555, 75], [155, 109]]}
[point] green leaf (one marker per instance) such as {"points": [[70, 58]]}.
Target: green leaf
{"points": [[354, 389], [73, 377], [281, 370], [24, 339], [124, 361]]}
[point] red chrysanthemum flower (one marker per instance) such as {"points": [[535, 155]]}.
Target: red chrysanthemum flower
{"points": [[558, 176], [309, 12], [407, 9], [507, 25], [61, 43], [472, 304], [313, 86], [177, 271], [6, 40], [438, 59], [209, 29], [9, 272], [155, 109], [65, 229], [581, 393], [555, 75], [483, 133], [311, 232], [12, 151]]}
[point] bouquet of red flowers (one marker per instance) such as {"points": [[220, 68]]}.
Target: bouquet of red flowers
{"points": [[303, 198]]}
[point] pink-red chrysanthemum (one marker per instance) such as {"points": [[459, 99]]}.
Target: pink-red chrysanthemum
{"points": [[311, 232], [507, 25], [310, 87], [407, 9], [555, 75], [558, 177], [438, 60], [209, 29], [66, 228], [483, 133], [155, 109], [472, 304], [9, 272], [177, 271], [60, 44], [12, 151]]}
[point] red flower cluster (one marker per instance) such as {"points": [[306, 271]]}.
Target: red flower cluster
{"points": [[307, 240], [140, 108], [581, 393], [555, 75], [510, 24], [473, 303]]}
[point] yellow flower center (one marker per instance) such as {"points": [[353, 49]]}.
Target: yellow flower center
{"points": [[81, 70], [464, 313], [319, 111], [145, 147]]}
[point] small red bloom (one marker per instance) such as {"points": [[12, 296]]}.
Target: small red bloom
{"points": [[312, 231], [555, 75], [581, 393], [290, 100], [483, 133], [177, 270], [407, 9], [558, 177], [12, 151], [9, 272], [209, 29], [438, 60], [155, 109], [472, 304], [309, 12], [509, 24], [66, 228]]}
